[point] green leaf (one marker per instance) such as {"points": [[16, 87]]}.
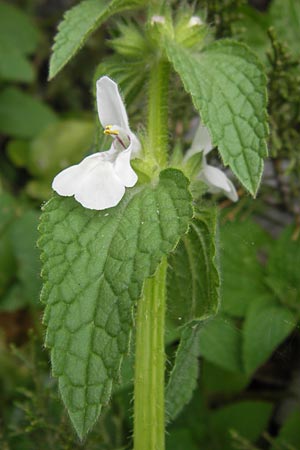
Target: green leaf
{"points": [[194, 420], [193, 295], [247, 418], [18, 151], [7, 261], [17, 30], [184, 375], [251, 27], [283, 275], [220, 343], [242, 245], [216, 380], [130, 82], [285, 17], [13, 299], [60, 145], [13, 64], [21, 115], [7, 264], [95, 263], [27, 255], [266, 325], [7, 211], [78, 24], [289, 436], [181, 438], [228, 88], [193, 278]]}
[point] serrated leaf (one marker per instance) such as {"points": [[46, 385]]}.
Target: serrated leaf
{"points": [[193, 295], [78, 24], [266, 325], [193, 279], [95, 263], [228, 88], [183, 378], [22, 115]]}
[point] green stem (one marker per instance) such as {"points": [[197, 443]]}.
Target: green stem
{"points": [[158, 112], [149, 402]]}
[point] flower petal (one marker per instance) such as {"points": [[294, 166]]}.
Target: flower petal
{"points": [[232, 194], [93, 181], [123, 168], [217, 180], [67, 181], [201, 143], [111, 109], [135, 145], [202, 140], [100, 188]]}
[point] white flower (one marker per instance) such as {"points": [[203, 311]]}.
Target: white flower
{"points": [[213, 177], [157, 19], [99, 181], [195, 21]]}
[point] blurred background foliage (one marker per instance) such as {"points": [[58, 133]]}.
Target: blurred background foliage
{"points": [[248, 393]]}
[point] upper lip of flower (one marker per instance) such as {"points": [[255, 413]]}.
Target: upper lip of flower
{"points": [[113, 117], [99, 181]]}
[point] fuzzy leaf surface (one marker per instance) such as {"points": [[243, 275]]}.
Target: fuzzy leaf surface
{"points": [[95, 263], [193, 278], [78, 24], [193, 295], [184, 375], [228, 88]]}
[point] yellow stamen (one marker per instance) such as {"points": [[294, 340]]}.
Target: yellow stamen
{"points": [[108, 130]]}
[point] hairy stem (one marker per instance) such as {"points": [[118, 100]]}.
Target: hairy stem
{"points": [[149, 402], [158, 112]]}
